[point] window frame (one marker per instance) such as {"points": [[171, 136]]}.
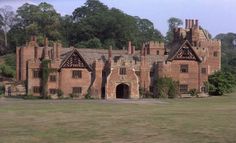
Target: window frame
{"points": [[36, 73], [183, 88], [53, 79], [184, 68], [77, 90], [123, 71], [76, 74], [36, 89]]}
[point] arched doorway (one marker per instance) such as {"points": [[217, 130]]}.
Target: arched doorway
{"points": [[122, 91]]}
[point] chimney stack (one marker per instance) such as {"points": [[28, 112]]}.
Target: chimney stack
{"points": [[193, 23], [110, 54], [58, 50], [133, 49], [129, 48], [186, 24], [33, 38], [54, 51], [196, 23], [35, 52]]}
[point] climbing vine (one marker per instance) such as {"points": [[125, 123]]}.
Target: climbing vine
{"points": [[46, 70]]}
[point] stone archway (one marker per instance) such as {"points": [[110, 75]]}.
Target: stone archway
{"points": [[122, 91]]}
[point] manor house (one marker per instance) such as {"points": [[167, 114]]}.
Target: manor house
{"points": [[111, 74]]}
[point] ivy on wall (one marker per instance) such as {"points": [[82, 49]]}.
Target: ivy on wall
{"points": [[46, 70]]}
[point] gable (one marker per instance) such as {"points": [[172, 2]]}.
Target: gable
{"points": [[185, 52], [75, 60]]}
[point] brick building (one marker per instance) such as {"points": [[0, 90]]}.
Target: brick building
{"points": [[111, 74]]}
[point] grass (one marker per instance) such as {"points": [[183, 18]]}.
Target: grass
{"points": [[202, 120]]}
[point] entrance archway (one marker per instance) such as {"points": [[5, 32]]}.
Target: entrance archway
{"points": [[122, 91]]}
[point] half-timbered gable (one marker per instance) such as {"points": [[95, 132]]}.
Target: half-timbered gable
{"points": [[75, 60], [184, 52]]}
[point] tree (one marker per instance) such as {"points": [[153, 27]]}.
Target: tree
{"points": [[221, 83], [41, 20], [7, 19], [228, 51], [147, 30], [172, 23], [111, 26]]}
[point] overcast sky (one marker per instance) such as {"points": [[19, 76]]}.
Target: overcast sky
{"points": [[217, 16]]}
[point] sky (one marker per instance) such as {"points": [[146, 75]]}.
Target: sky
{"points": [[217, 16]]}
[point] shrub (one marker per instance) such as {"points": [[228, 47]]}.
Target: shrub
{"points": [[167, 88], [60, 93], [7, 71], [193, 92], [221, 83], [88, 95], [1, 90], [73, 95], [145, 94]]}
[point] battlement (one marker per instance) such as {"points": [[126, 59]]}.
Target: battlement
{"points": [[210, 42], [154, 45]]}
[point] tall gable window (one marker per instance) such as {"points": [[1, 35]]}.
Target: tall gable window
{"points": [[215, 54], [76, 74], [122, 71], [184, 68]]}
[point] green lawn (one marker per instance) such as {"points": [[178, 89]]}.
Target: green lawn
{"points": [[202, 120]]}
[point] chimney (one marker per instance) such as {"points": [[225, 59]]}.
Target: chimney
{"points": [[33, 38], [186, 24], [130, 48], [54, 51], [35, 52], [110, 54], [45, 42], [142, 50], [133, 49], [189, 23], [193, 23], [58, 50], [196, 22]]}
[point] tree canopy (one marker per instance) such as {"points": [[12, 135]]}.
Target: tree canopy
{"points": [[173, 22], [93, 25]]}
